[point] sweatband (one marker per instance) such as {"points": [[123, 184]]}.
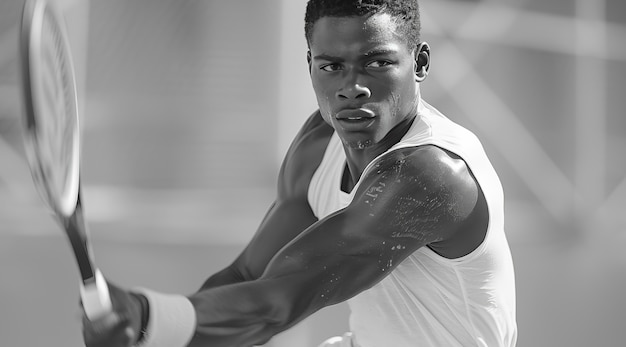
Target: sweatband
{"points": [[172, 320]]}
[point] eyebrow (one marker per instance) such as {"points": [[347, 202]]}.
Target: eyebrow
{"points": [[327, 57], [382, 51], [368, 54]]}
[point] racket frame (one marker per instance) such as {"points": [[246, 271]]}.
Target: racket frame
{"points": [[68, 209]]}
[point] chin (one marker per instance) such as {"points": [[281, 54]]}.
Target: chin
{"points": [[358, 143]]}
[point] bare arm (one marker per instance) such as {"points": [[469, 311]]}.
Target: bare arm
{"points": [[283, 222], [289, 214], [412, 198]]}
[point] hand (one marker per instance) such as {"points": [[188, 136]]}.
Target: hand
{"points": [[119, 328], [108, 331]]}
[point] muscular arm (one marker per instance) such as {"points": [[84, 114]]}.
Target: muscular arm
{"points": [[289, 214], [408, 199], [283, 222]]}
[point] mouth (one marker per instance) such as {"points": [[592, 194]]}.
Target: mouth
{"points": [[355, 118], [354, 114]]}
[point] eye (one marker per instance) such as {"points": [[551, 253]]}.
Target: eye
{"points": [[379, 63], [330, 67]]}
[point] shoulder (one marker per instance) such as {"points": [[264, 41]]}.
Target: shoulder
{"points": [[427, 165], [447, 190], [421, 188], [304, 156]]}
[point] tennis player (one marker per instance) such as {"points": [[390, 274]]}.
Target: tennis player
{"points": [[382, 202]]}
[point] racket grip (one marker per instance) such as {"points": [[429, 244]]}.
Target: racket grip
{"points": [[95, 297]]}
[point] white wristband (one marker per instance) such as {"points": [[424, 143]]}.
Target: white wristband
{"points": [[172, 320]]}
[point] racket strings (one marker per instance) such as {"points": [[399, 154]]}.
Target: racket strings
{"points": [[57, 120]]}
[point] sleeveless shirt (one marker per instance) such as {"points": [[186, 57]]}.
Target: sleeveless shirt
{"points": [[429, 300]]}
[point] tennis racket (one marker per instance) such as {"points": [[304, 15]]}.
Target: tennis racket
{"points": [[52, 138]]}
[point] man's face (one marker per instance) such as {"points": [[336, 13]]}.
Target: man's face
{"points": [[363, 75]]}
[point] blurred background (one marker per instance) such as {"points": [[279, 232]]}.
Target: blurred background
{"points": [[189, 105]]}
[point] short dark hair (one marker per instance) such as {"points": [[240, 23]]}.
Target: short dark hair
{"points": [[405, 12]]}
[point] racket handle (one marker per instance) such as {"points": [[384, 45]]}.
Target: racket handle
{"points": [[95, 297]]}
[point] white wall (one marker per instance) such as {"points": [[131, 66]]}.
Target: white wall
{"points": [[296, 98]]}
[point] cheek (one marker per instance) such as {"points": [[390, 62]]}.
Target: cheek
{"points": [[323, 98], [396, 102], [403, 96], [323, 102], [399, 96]]}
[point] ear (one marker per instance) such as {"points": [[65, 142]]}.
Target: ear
{"points": [[308, 59], [422, 61]]}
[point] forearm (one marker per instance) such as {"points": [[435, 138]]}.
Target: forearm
{"points": [[242, 314], [161, 313], [248, 313]]}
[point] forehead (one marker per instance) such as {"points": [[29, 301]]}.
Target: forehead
{"points": [[355, 34]]}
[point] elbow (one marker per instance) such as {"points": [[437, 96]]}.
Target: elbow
{"points": [[284, 308], [279, 314]]}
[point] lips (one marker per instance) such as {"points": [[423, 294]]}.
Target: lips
{"points": [[355, 119], [354, 114]]}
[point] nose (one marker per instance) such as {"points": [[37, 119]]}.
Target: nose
{"points": [[353, 90]]}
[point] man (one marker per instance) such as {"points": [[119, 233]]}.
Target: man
{"points": [[381, 201]]}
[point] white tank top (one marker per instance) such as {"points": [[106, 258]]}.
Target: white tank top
{"points": [[429, 300]]}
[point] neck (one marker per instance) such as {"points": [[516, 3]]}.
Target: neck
{"points": [[358, 159]]}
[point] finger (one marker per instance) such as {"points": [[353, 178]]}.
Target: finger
{"points": [[109, 330]]}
